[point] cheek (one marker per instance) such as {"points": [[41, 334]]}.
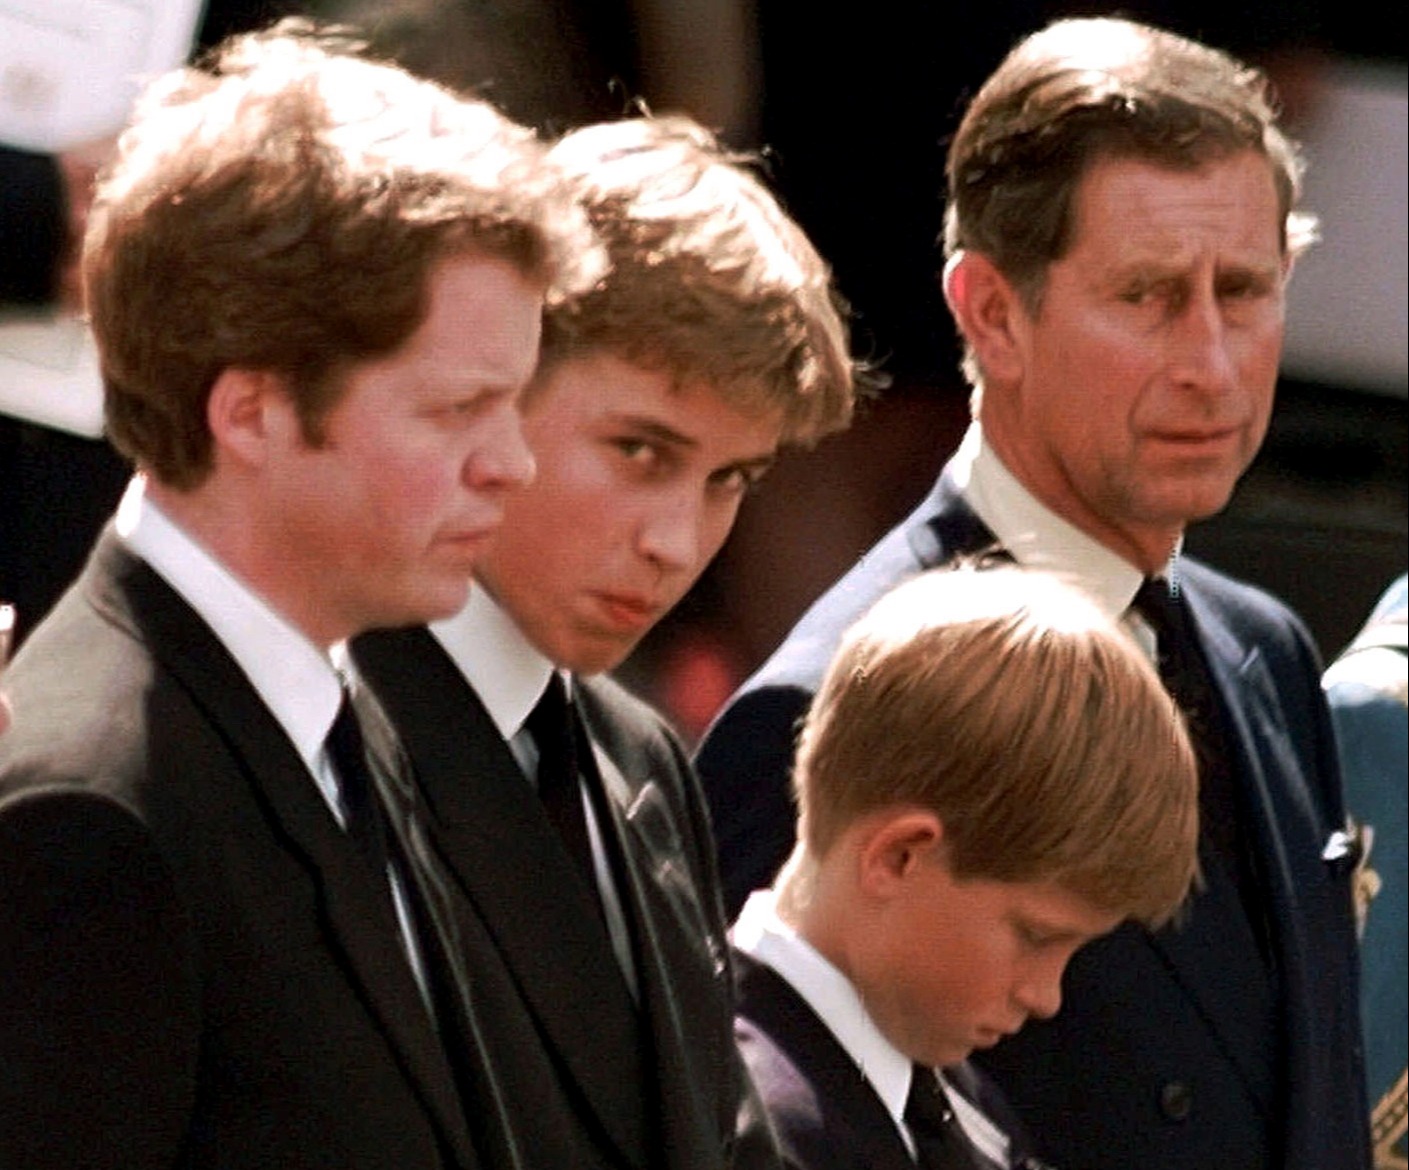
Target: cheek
{"points": [[718, 524]]}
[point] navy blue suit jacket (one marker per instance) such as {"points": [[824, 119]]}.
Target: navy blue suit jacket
{"points": [[1154, 1060], [825, 1114]]}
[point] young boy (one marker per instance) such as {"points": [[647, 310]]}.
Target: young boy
{"points": [[990, 777], [661, 396]]}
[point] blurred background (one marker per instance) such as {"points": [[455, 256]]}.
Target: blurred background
{"points": [[849, 110]]}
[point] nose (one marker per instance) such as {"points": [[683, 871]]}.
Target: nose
{"points": [[1040, 993], [669, 532], [502, 459], [1202, 353]]}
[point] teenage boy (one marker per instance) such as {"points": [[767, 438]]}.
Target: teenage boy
{"points": [[661, 397]]}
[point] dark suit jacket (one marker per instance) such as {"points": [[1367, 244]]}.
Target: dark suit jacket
{"points": [[826, 1116], [1154, 1059], [592, 1078], [198, 970]]}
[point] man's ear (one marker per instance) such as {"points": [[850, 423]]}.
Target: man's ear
{"points": [[895, 847], [245, 410], [990, 314]]}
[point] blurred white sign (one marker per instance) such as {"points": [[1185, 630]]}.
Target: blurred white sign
{"points": [[70, 69], [49, 373]]}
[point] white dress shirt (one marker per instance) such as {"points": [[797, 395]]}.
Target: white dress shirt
{"points": [[509, 674], [1038, 538], [762, 935], [299, 683]]}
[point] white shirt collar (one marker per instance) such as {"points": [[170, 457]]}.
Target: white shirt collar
{"points": [[761, 934], [503, 667], [1035, 535], [297, 681]]}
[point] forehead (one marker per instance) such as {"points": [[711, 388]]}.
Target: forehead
{"points": [[1046, 906], [1131, 210], [602, 387]]}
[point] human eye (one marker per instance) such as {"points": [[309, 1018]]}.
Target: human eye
{"points": [[1160, 295], [642, 455], [1032, 937], [1134, 293], [455, 408], [1245, 286], [740, 479]]}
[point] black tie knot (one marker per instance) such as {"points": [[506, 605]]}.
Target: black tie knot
{"points": [[1159, 603], [347, 749], [553, 723]]}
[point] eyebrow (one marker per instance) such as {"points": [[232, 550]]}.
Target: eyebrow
{"points": [[1162, 268], [667, 434], [656, 430]]}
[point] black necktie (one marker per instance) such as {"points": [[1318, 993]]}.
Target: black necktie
{"points": [[366, 823], [940, 1141], [386, 828], [1185, 675], [554, 727]]}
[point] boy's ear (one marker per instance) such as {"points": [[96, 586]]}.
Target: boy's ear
{"points": [[894, 848], [990, 314]]}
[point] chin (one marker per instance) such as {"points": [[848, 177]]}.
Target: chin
{"points": [[431, 605], [589, 662]]}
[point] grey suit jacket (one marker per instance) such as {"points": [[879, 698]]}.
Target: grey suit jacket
{"points": [[593, 1077], [198, 970], [1156, 1058]]}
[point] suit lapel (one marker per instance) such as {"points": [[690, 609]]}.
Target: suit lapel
{"points": [[361, 929], [1219, 977], [847, 1106], [680, 962], [516, 875]]}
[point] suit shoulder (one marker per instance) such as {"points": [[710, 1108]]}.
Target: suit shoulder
{"points": [[80, 693], [1252, 612], [1236, 596]]}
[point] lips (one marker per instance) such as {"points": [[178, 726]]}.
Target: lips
{"points": [[627, 611], [1198, 437]]}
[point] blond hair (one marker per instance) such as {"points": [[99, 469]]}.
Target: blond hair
{"points": [[710, 280]]}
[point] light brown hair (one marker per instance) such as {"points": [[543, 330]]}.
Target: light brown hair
{"points": [[1037, 731], [710, 279], [280, 207]]}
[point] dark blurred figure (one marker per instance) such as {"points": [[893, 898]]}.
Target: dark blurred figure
{"points": [[56, 485], [560, 64]]}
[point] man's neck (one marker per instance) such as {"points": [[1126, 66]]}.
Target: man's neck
{"points": [[232, 533]]}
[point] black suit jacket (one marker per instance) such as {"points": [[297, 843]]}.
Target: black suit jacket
{"points": [[826, 1115], [198, 970], [592, 1077], [1154, 1059]]}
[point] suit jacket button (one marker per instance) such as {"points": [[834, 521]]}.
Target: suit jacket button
{"points": [[1176, 1101]]}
